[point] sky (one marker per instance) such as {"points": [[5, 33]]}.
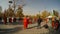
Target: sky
{"points": [[33, 7]]}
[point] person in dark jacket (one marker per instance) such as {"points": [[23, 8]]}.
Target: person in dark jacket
{"points": [[39, 20]]}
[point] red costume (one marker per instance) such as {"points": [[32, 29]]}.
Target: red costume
{"points": [[10, 20], [14, 19], [52, 24], [30, 22], [5, 20], [35, 19], [25, 23], [56, 25]]}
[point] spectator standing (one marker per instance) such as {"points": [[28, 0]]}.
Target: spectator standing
{"points": [[25, 20], [39, 20]]}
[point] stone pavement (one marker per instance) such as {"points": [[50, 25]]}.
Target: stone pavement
{"points": [[32, 29], [2, 26]]}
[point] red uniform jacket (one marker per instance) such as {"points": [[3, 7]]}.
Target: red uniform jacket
{"points": [[25, 23]]}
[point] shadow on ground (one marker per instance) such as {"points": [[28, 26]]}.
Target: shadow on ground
{"points": [[10, 31]]}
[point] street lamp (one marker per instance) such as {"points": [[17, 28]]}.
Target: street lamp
{"points": [[10, 3], [14, 6]]}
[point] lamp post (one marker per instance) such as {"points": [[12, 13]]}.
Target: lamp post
{"points": [[10, 2], [14, 5], [39, 13]]}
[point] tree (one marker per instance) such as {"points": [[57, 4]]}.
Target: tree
{"points": [[55, 13], [45, 13], [19, 12], [38, 15], [0, 14], [10, 12], [0, 11], [6, 13], [0, 8]]}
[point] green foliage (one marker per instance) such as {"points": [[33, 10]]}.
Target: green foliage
{"points": [[55, 13], [19, 12], [45, 14]]}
